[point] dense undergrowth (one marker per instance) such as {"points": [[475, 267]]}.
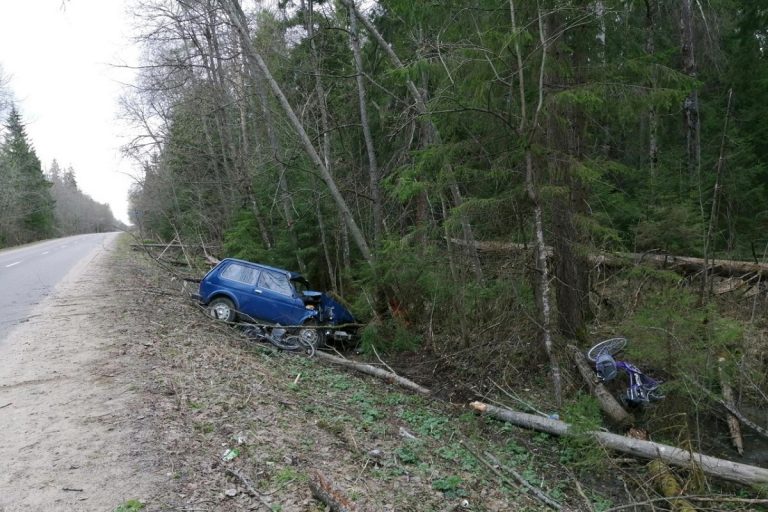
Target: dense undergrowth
{"points": [[480, 342]]}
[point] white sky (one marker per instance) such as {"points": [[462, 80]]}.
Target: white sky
{"points": [[60, 57]]}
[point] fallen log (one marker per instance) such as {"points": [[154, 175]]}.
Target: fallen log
{"points": [[607, 401], [389, 377], [732, 471], [734, 427], [685, 264], [669, 486]]}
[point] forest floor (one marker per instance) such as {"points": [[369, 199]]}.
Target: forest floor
{"points": [[139, 397]]}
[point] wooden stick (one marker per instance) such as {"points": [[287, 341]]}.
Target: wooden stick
{"points": [[253, 492], [374, 371], [324, 491], [608, 403], [732, 409], [733, 471], [535, 491], [733, 422]]}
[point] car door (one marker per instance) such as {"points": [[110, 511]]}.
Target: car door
{"points": [[240, 279], [276, 300]]}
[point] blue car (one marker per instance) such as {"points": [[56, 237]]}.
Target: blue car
{"points": [[251, 292]]}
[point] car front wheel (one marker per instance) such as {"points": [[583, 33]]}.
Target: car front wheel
{"points": [[221, 308]]}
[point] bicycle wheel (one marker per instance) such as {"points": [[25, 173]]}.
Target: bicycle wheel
{"points": [[610, 346], [654, 395], [285, 341]]}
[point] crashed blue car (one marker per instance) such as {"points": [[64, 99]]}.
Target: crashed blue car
{"points": [[250, 292]]}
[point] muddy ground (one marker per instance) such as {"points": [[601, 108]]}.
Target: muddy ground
{"points": [[122, 393]]}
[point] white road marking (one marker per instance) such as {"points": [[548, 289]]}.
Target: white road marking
{"points": [[46, 252], [12, 264]]}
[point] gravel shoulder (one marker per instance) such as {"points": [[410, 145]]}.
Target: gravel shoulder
{"points": [[70, 440]]}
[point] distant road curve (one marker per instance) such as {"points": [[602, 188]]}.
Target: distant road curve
{"points": [[30, 273]]}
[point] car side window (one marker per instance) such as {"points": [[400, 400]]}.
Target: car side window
{"points": [[241, 274], [276, 282]]}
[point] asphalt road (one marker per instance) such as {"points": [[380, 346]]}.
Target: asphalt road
{"points": [[30, 273]]}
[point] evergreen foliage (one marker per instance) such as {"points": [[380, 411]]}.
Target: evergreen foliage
{"points": [[587, 97], [36, 206], [25, 193]]}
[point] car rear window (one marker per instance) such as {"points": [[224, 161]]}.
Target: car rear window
{"points": [[276, 282], [241, 273]]}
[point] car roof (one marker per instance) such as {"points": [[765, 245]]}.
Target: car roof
{"points": [[291, 275]]}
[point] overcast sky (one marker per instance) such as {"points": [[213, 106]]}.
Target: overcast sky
{"points": [[60, 59]]}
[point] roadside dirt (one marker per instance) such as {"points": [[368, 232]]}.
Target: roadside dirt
{"points": [[70, 434], [120, 391]]}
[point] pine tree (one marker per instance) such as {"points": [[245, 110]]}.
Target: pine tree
{"points": [[27, 200]]}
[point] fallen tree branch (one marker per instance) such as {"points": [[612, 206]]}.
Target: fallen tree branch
{"points": [[374, 371], [535, 491], [253, 492], [607, 401], [733, 471], [324, 491], [734, 427], [732, 409]]}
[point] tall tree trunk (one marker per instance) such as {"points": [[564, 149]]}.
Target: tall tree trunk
{"points": [[651, 8], [255, 61], [526, 133], [564, 136], [708, 239], [373, 166], [691, 102]]}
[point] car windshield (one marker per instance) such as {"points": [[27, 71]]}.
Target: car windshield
{"points": [[275, 282], [301, 285]]}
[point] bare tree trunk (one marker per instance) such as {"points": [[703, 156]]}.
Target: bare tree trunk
{"points": [[237, 17], [705, 291], [541, 279], [373, 166], [691, 102], [651, 8], [309, 24], [734, 427]]}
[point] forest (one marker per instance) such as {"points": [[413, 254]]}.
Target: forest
{"points": [[37, 205], [484, 181]]}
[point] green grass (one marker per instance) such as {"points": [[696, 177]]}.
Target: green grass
{"points": [[130, 506]]}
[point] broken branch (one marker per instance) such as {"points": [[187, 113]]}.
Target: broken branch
{"points": [[608, 403], [374, 371], [324, 491]]}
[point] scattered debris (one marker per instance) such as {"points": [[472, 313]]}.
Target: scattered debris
{"points": [[230, 454]]}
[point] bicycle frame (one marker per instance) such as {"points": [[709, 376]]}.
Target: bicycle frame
{"points": [[641, 389]]}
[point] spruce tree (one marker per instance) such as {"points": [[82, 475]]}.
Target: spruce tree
{"points": [[29, 202]]}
